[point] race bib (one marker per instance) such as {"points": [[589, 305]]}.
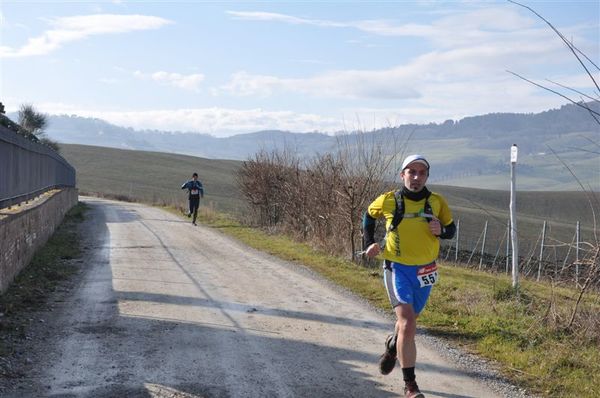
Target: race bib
{"points": [[428, 275], [194, 191]]}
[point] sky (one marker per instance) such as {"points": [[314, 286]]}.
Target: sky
{"points": [[231, 67]]}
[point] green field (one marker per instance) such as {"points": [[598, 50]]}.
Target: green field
{"points": [[537, 171], [561, 211], [152, 177], [156, 176]]}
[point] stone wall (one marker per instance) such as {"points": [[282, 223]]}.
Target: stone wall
{"points": [[25, 229]]}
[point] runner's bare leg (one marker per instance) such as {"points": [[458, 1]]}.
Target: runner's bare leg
{"points": [[406, 327]]}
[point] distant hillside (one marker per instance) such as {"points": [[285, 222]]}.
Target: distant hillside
{"points": [[152, 177], [97, 132], [471, 152]]}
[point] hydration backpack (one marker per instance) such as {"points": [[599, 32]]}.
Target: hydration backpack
{"points": [[399, 212]]}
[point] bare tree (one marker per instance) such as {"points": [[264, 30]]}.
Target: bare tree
{"points": [[260, 181], [320, 200], [364, 165]]}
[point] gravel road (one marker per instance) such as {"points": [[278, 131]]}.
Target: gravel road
{"points": [[166, 309]]}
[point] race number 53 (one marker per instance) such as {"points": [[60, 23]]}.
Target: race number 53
{"points": [[427, 275]]}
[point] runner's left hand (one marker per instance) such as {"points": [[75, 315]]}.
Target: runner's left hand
{"points": [[435, 227]]}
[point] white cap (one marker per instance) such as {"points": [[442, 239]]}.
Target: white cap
{"points": [[415, 159]]}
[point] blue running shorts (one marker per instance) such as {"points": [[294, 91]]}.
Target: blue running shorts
{"points": [[409, 284]]}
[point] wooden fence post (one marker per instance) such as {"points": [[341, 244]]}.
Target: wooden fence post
{"points": [[577, 237], [541, 251], [457, 238], [483, 244]]}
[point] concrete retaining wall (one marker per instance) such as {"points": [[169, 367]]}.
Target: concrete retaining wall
{"points": [[26, 229]]}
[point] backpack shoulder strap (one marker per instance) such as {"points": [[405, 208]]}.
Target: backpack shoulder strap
{"points": [[398, 212], [427, 208]]}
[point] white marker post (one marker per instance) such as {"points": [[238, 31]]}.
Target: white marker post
{"points": [[513, 218]]}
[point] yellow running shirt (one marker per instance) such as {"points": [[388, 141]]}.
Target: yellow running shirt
{"points": [[411, 243]]}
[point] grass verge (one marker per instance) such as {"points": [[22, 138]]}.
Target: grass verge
{"points": [[29, 291], [478, 310]]}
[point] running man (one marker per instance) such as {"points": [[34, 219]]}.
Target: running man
{"points": [[196, 192], [416, 219]]}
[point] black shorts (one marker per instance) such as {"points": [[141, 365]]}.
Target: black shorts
{"points": [[194, 201]]}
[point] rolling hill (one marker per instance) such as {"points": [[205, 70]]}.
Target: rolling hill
{"points": [[152, 177], [471, 152], [155, 177]]}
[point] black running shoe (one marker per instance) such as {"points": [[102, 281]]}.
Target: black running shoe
{"points": [[387, 361]]}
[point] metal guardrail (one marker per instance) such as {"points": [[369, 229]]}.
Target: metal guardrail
{"points": [[27, 169]]}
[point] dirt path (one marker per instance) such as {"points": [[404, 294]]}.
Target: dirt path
{"points": [[166, 309]]}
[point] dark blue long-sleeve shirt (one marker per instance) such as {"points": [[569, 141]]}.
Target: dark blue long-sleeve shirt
{"points": [[194, 188]]}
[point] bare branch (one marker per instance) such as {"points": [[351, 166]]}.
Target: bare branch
{"points": [[592, 275], [568, 43], [555, 92], [590, 140], [589, 110], [592, 199], [577, 91], [586, 57], [583, 150]]}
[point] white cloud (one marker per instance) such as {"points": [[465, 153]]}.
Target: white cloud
{"points": [[496, 27], [454, 25], [186, 82], [461, 65], [219, 121], [475, 46], [70, 29], [439, 103], [271, 16], [244, 84], [347, 84], [216, 121]]}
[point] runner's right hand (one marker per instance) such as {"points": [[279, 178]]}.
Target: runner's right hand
{"points": [[373, 250]]}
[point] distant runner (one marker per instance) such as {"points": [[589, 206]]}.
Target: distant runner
{"points": [[196, 192], [415, 221]]}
